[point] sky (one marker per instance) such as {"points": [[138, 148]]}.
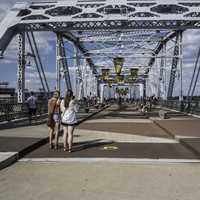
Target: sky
{"points": [[46, 44]]}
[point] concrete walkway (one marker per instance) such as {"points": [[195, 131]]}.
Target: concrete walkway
{"points": [[115, 158], [18, 139], [110, 135], [101, 180]]}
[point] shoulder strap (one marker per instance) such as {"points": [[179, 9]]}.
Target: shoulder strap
{"points": [[54, 107]]}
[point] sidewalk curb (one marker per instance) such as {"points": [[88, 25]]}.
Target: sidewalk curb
{"points": [[18, 155], [9, 161]]}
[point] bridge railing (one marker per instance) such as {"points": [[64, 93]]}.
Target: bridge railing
{"points": [[11, 110], [192, 107]]}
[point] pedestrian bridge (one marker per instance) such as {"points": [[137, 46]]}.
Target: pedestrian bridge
{"points": [[117, 45], [130, 50], [139, 130], [123, 135]]}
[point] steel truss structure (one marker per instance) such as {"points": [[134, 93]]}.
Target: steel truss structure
{"points": [[176, 59], [61, 63], [21, 67], [79, 77], [22, 61], [194, 79], [137, 30], [35, 54]]}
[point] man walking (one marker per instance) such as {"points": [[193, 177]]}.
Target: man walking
{"points": [[32, 106]]}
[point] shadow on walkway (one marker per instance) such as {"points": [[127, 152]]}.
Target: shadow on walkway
{"points": [[78, 148], [22, 123]]}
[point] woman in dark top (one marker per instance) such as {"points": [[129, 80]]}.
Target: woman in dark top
{"points": [[54, 109]]}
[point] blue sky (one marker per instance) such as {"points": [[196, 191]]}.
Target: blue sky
{"points": [[46, 43]]}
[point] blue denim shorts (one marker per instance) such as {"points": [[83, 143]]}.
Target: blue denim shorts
{"points": [[57, 117]]}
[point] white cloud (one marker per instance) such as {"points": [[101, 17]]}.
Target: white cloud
{"points": [[5, 6], [10, 55]]}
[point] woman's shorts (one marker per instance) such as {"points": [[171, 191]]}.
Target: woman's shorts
{"points": [[56, 117], [65, 124]]}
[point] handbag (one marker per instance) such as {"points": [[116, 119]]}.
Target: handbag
{"points": [[69, 117], [50, 120]]}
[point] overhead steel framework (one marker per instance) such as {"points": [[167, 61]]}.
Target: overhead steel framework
{"points": [[137, 30], [61, 63], [195, 77], [176, 59], [37, 59]]}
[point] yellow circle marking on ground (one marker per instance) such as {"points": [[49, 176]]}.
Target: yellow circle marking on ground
{"points": [[110, 148]]}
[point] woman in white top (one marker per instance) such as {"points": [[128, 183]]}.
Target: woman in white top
{"points": [[68, 108]]}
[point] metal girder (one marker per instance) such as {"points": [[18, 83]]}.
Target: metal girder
{"points": [[175, 57], [69, 36], [119, 48], [114, 39], [174, 67], [99, 15], [58, 71], [125, 55], [62, 65], [111, 14], [81, 47], [161, 45], [123, 49], [40, 62], [79, 79], [21, 68], [162, 67], [194, 79], [66, 17], [36, 61], [120, 36]]}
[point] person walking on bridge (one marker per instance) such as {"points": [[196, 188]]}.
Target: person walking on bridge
{"points": [[68, 109], [32, 106], [54, 119]]}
